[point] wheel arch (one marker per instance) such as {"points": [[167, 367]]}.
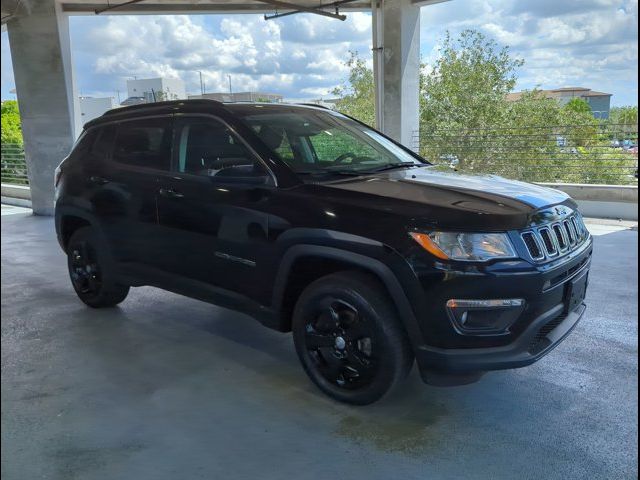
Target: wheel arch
{"points": [[337, 259], [69, 219]]}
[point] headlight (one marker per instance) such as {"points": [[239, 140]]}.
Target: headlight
{"points": [[471, 247]]}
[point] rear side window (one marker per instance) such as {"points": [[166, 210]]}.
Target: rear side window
{"points": [[144, 143], [103, 144]]}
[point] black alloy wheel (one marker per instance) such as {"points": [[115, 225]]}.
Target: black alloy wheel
{"points": [[340, 343], [92, 271], [85, 271], [349, 338]]}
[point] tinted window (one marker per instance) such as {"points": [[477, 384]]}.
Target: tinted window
{"points": [[106, 135], [144, 143], [209, 148], [85, 142], [313, 140]]}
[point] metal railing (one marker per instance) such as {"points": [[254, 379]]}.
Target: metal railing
{"points": [[592, 154], [14, 166]]}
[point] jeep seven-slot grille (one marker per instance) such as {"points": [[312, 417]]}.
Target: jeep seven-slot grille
{"points": [[555, 239], [535, 249]]}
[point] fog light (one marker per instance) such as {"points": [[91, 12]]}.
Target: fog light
{"points": [[484, 317]]}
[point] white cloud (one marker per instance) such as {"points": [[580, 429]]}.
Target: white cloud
{"points": [[564, 42], [257, 54], [591, 43]]}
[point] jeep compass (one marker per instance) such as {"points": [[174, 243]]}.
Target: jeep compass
{"points": [[315, 223]]}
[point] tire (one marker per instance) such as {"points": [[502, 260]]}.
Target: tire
{"points": [[349, 338], [91, 270]]}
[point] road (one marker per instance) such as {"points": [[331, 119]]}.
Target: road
{"points": [[165, 387]]}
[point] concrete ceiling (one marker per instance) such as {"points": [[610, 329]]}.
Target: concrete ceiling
{"points": [[11, 7], [15, 8], [211, 6]]}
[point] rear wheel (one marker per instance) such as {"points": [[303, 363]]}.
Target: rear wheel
{"points": [[349, 338], [91, 270]]}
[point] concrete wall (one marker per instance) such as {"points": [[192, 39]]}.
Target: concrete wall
{"points": [[597, 201], [18, 195], [603, 201]]}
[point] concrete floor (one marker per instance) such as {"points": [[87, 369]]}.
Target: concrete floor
{"points": [[165, 387]]}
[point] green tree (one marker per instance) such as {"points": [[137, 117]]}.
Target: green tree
{"points": [[464, 99], [10, 117], [357, 94], [627, 115], [579, 106], [465, 116], [468, 83]]}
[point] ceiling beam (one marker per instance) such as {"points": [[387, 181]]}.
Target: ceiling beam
{"points": [[300, 8], [117, 5], [335, 5], [425, 3], [158, 7]]}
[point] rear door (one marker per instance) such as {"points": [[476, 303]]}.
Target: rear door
{"points": [[213, 209], [141, 154]]}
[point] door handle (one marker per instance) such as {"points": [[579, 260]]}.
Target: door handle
{"points": [[170, 193], [98, 180]]}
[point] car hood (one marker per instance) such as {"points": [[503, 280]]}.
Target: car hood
{"points": [[459, 201]]}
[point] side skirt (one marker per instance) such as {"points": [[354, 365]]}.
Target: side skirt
{"points": [[137, 275]]}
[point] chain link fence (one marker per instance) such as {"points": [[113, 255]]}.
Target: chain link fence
{"points": [[591, 154], [14, 166]]}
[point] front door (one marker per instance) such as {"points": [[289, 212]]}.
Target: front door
{"points": [[213, 209]]}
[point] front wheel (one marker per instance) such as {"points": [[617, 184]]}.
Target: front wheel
{"points": [[349, 338], [92, 271]]}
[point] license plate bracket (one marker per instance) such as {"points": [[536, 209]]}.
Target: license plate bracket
{"points": [[576, 291]]}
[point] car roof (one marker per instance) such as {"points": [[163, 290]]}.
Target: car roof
{"points": [[192, 106]]}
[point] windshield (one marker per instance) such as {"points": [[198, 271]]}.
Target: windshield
{"points": [[315, 141]]}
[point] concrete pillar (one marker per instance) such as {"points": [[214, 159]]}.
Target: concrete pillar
{"points": [[41, 55], [396, 25]]}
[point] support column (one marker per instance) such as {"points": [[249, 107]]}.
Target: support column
{"points": [[397, 33], [41, 55]]}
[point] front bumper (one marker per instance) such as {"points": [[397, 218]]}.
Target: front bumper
{"points": [[552, 313], [542, 336]]}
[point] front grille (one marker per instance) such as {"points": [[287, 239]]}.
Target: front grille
{"points": [[549, 244], [533, 246], [571, 235], [554, 239], [560, 238]]}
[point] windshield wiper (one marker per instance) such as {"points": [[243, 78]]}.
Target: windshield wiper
{"points": [[328, 172], [393, 166], [356, 172]]}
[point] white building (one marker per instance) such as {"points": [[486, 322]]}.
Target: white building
{"points": [[241, 97], [91, 107], [155, 89]]}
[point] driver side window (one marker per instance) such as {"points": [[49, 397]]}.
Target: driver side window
{"points": [[208, 148]]}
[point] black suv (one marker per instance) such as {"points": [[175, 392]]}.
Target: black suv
{"points": [[313, 222]]}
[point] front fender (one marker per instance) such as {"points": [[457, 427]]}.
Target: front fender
{"points": [[387, 274]]}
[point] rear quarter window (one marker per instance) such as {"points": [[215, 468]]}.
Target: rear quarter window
{"points": [[144, 143], [85, 142]]}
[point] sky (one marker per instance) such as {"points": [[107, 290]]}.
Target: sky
{"points": [[588, 43]]}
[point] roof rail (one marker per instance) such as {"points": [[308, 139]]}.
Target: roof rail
{"points": [[152, 105], [309, 104]]}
